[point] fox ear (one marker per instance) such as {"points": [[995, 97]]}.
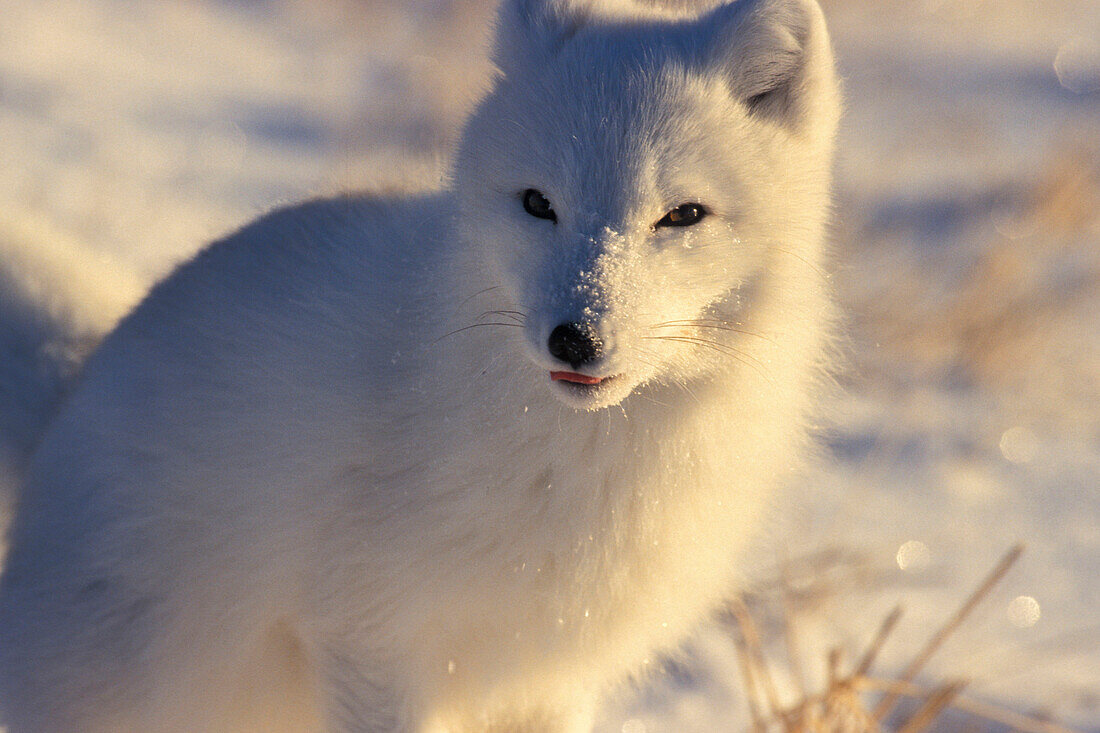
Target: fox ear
{"points": [[775, 54], [529, 29]]}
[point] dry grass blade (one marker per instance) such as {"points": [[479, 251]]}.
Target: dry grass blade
{"points": [[752, 693], [834, 667], [840, 707], [887, 703], [756, 654], [992, 713], [840, 711], [790, 634], [938, 701], [875, 647]]}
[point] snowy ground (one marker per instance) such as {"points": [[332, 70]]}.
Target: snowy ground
{"points": [[968, 256]]}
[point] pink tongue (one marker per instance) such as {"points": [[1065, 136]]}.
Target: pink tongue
{"points": [[574, 377]]}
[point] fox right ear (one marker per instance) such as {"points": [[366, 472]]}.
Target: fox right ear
{"points": [[533, 28], [775, 54]]}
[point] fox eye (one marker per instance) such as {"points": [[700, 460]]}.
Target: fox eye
{"points": [[535, 204], [683, 215]]}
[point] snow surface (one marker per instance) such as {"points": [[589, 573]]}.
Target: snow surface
{"points": [[968, 257]]}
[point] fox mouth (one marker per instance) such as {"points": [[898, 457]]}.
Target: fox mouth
{"points": [[575, 378], [587, 392], [583, 386]]}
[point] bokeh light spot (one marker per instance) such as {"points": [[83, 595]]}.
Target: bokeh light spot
{"points": [[1023, 612], [914, 556], [1018, 445], [1077, 65]]}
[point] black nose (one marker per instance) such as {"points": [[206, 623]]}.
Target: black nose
{"points": [[574, 344]]}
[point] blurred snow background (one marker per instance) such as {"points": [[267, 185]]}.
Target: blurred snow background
{"points": [[968, 257]]}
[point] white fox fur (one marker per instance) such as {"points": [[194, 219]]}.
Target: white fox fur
{"points": [[309, 485]]}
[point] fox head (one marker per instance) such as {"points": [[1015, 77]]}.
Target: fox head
{"points": [[631, 176]]}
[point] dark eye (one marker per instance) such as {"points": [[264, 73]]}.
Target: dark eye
{"points": [[683, 215], [535, 204]]}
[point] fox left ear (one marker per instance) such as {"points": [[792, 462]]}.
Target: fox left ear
{"points": [[776, 55]]}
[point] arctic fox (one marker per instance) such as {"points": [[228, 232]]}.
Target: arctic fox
{"points": [[456, 461]]}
